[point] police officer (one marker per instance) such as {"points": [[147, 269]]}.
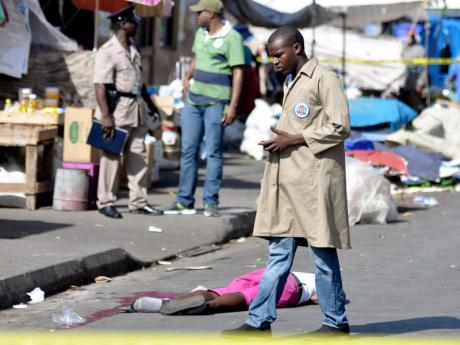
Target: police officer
{"points": [[122, 99]]}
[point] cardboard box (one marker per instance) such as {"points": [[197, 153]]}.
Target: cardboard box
{"points": [[77, 123], [165, 103]]}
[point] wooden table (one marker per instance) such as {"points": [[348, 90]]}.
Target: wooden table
{"points": [[35, 118], [31, 137]]}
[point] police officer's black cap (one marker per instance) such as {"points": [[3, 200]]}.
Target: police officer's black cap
{"points": [[126, 14]]}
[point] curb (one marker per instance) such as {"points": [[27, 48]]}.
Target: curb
{"points": [[57, 278]]}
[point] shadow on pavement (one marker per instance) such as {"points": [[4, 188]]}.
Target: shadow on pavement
{"points": [[15, 229], [239, 184], [409, 325]]}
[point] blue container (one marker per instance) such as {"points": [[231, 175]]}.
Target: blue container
{"points": [[400, 29]]}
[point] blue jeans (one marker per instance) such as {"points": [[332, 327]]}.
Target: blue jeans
{"points": [[197, 120], [262, 310]]}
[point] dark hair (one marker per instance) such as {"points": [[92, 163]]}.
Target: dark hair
{"points": [[289, 36]]}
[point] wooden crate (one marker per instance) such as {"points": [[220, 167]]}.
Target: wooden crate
{"points": [[35, 118], [31, 137]]}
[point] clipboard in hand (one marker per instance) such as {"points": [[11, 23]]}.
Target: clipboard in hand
{"points": [[115, 145]]}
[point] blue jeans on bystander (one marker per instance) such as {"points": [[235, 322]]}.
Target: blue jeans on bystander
{"points": [[196, 121]]}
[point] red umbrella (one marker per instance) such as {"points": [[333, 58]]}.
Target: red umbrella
{"points": [[101, 5]]}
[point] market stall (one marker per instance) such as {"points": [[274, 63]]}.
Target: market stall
{"points": [[37, 138]]}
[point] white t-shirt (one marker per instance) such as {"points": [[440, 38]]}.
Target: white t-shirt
{"points": [[308, 285]]}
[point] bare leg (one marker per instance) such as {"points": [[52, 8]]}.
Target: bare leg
{"points": [[219, 304], [213, 303], [229, 302]]}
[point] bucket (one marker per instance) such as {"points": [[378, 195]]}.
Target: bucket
{"points": [[70, 190]]}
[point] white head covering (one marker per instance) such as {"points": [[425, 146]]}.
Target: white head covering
{"points": [[308, 285]]}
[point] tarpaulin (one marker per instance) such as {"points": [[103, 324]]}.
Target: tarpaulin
{"points": [[248, 11], [359, 143], [424, 165], [382, 159], [366, 112]]}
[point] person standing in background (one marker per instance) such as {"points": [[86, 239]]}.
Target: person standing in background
{"points": [[213, 86], [414, 84]]}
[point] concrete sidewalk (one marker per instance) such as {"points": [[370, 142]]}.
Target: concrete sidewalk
{"points": [[54, 250]]}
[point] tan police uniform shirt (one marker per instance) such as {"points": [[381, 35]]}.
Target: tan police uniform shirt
{"points": [[116, 65], [303, 192]]}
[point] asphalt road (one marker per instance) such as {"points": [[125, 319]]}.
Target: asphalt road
{"points": [[401, 279]]}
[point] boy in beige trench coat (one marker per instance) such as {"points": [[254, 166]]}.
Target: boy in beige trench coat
{"points": [[303, 196]]}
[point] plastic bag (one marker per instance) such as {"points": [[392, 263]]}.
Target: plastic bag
{"points": [[37, 295], [68, 318], [424, 202], [258, 125], [369, 196]]}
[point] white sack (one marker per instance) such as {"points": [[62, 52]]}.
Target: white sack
{"points": [[258, 125], [368, 194]]}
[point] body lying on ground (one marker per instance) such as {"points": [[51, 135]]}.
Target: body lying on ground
{"points": [[236, 296]]}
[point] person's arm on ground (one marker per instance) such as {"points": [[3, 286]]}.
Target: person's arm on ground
{"points": [[237, 85]]}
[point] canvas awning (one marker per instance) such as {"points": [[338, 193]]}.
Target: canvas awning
{"points": [[162, 8], [362, 12], [25, 26], [261, 13], [358, 12]]}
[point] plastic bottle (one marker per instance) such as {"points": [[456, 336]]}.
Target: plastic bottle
{"points": [[32, 104], [423, 201], [8, 104], [23, 105]]}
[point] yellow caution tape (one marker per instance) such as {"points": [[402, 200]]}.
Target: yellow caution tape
{"points": [[419, 61], [72, 338]]}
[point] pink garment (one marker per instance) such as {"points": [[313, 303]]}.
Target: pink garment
{"points": [[147, 2], [248, 285]]}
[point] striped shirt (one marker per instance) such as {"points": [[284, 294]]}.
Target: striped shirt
{"points": [[215, 56]]}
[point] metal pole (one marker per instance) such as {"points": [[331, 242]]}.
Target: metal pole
{"points": [[96, 25], [344, 41], [313, 42], [427, 69]]}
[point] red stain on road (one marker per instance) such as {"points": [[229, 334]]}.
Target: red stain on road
{"points": [[124, 301]]}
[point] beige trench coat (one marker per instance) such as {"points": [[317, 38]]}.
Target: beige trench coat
{"points": [[303, 192]]}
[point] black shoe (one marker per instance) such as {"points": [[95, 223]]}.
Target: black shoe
{"points": [[331, 331], [148, 210], [193, 305], [245, 329], [111, 212]]}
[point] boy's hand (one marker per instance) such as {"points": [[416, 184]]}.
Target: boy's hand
{"points": [[281, 141]]}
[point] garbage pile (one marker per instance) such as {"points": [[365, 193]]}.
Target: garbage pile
{"points": [[422, 153], [391, 151]]}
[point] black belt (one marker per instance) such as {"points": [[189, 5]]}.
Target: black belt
{"points": [[127, 94]]}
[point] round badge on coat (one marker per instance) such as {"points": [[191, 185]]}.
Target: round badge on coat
{"points": [[302, 110]]}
